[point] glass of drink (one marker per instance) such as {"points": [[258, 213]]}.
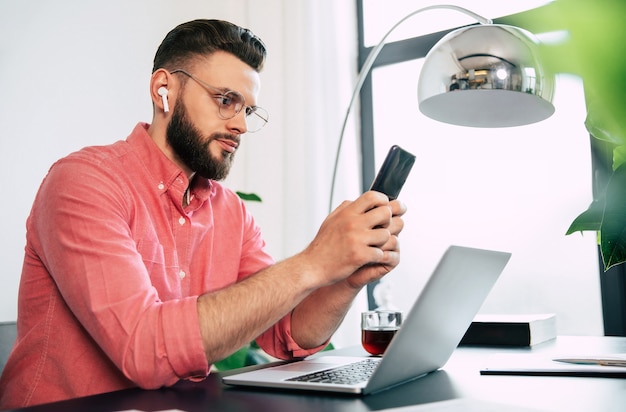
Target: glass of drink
{"points": [[378, 327]]}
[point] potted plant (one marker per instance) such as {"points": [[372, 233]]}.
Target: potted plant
{"points": [[594, 51]]}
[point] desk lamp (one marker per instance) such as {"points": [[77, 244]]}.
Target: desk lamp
{"points": [[484, 75]]}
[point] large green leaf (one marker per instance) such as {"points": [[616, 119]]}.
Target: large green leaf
{"points": [[607, 215], [613, 228], [593, 50], [619, 156], [589, 220]]}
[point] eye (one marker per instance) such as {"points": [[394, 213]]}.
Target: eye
{"points": [[224, 100], [250, 110]]}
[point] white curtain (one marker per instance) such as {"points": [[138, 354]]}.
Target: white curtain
{"points": [[306, 86]]}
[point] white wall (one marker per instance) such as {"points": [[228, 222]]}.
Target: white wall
{"points": [[76, 73], [72, 74]]}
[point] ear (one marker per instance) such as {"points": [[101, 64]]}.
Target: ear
{"points": [[160, 91]]}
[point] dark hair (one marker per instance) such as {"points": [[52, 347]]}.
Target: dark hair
{"points": [[203, 37]]}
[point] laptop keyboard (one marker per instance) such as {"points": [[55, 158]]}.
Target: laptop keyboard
{"points": [[349, 374]]}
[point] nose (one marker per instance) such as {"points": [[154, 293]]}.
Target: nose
{"points": [[237, 124]]}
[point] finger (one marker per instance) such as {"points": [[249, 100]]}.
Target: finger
{"points": [[396, 225], [379, 217], [391, 257], [378, 237], [371, 200], [397, 208], [391, 244], [390, 260]]}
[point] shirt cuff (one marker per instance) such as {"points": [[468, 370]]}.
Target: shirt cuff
{"points": [[183, 341], [278, 342]]}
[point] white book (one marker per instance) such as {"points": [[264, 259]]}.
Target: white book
{"points": [[511, 330]]}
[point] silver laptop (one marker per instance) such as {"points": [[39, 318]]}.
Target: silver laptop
{"points": [[429, 334]]}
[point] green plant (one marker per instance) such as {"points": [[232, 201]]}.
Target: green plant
{"points": [[593, 51], [250, 197], [251, 354]]}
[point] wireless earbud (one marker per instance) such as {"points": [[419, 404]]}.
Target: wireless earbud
{"points": [[163, 93]]}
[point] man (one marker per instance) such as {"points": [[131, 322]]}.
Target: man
{"points": [[141, 269]]}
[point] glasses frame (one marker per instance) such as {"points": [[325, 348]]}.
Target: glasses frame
{"points": [[219, 94]]}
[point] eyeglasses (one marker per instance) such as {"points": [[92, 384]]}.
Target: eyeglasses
{"points": [[230, 103]]}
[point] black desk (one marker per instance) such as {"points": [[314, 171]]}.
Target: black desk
{"points": [[459, 378]]}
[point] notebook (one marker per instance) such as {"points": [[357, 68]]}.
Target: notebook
{"points": [[429, 334]]}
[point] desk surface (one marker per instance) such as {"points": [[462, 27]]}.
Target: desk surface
{"points": [[459, 378]]}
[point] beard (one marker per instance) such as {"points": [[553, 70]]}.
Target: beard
{"points": [[193, 149]]}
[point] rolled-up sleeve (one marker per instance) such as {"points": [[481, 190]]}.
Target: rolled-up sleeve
{"points": [[277, 342]]}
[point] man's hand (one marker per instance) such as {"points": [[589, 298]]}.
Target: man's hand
{"points": [[357, 240], [391, 251], [357, 244]]}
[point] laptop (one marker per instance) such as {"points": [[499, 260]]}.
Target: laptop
{"points": [[429, 334]]}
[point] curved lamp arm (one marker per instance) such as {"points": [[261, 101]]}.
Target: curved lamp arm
{"points": [[367, 66]]}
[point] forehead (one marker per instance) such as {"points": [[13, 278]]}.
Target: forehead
{"points": [[224, 70]]}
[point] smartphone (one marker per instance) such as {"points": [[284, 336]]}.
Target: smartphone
{"points": [[393, 172]]}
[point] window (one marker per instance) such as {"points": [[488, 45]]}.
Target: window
{"points": [[514, 189]]}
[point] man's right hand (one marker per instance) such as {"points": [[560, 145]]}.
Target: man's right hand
{"points": [[352, 236]]}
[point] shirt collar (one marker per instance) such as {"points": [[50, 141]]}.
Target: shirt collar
{"points": [[167, 176]]}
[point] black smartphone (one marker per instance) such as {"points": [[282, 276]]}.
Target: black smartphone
{"points": [[393, 172]]}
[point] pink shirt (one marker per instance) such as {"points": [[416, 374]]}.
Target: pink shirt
{"points": [[112, 270]]}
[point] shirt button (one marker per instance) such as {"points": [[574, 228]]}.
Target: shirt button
{"points": [[182, 274], [181, 220], [161, 186]]}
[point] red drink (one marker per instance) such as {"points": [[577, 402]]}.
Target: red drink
{"points": [[375, 341]]}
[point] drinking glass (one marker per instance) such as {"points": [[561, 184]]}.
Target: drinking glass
{"points": [[378, 327]]}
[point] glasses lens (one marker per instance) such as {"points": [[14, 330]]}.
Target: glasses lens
{"points": [[256, 118], [230, 103]]}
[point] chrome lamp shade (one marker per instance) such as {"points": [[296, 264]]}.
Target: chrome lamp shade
{"points": [[486, 75]]}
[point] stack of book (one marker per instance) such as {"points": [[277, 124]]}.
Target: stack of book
{"points": [[510, 330]]}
